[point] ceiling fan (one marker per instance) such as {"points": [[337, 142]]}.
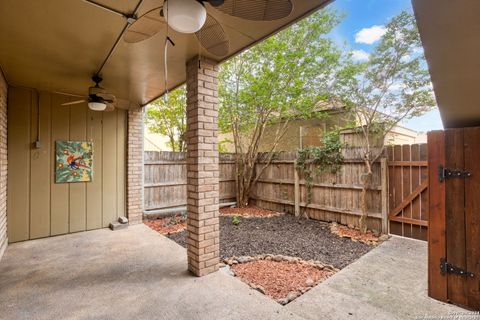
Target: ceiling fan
{"points": [[192, 16], [98, 99]]}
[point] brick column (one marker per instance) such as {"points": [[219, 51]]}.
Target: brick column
{"points": [[202, 167], [135, 166]]}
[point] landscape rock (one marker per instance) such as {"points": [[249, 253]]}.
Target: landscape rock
{"points": [[244, 259], [259, 288], [292, 295], [309, 282], [383, 237], [278, 258]]}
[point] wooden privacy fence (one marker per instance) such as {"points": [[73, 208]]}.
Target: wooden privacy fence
{"points": [[165, 185], [397, 200], [408, 194], [334, 197]]}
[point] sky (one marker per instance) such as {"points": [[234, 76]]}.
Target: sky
{"points": [[360, 30]]}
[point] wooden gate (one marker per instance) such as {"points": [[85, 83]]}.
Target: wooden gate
{"points": [[454, 226], [408, 196]]}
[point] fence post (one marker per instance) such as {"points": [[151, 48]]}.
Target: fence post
{"points": [[384, 177], [297, 189]]}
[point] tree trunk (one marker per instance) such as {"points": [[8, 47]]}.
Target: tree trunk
{"points": [[367, 182], [243, 178], [239, 182], [172, 144], [242, 193]]}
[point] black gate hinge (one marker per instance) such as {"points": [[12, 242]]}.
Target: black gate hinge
{"points": [[445, 173], [446, 267]]}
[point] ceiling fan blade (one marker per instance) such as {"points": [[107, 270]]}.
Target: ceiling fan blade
{"points": [[110, 107], [213, 38], [144, 27], [106, 96], [257, 10], [73, 102], [70, 94]]}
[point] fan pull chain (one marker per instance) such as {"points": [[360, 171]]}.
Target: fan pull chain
{"points": [[91, 128], [165, 60], [199, 48]]}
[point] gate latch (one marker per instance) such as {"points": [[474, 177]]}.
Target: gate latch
{"points": [[446, 267], [446, 173]]}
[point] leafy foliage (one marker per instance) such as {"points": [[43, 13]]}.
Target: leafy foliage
{"points": [[326, 158], [169, 119], [278, 80], [393, 85], [236, 220], [318, 160]]}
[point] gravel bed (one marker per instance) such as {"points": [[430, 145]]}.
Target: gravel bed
{"points": [[284, 235]]}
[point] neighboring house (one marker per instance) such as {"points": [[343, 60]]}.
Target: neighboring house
{"points": [[155, 142], [302, 133]]}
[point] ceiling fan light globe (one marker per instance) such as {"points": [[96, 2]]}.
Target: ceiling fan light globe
{"points": [[185, 16], [97, 106]]}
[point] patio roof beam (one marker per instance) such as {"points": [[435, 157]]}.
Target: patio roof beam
{"points": [[130, 18], [107, 8]]}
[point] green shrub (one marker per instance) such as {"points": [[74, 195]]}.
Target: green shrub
{"points": [[236, 220]]}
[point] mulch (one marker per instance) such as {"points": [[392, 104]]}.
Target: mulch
{"points": [[177, 223], [168, 225], [280, 280], [263, 232], [284, 235], [354, 234], [249, 212]]}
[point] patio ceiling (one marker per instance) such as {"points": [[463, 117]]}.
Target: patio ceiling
{"points": [[57, 45], [450, 34]]}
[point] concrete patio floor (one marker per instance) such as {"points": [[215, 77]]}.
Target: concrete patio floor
{"points": [[138, 274], [389, 282]]}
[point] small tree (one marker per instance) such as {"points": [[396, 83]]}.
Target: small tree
{"points": [[392, 86], [170, 120], [278, 80]]}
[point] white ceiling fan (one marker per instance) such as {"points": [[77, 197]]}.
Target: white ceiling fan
{"points": [[192, 16]]}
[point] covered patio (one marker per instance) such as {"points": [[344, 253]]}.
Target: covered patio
{"points": [[130, 274], [113, 56], [58, 260], [137, 273]]}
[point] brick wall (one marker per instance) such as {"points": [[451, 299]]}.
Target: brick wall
{"points": [[135, 166], [202, 167], [3, 164]]}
